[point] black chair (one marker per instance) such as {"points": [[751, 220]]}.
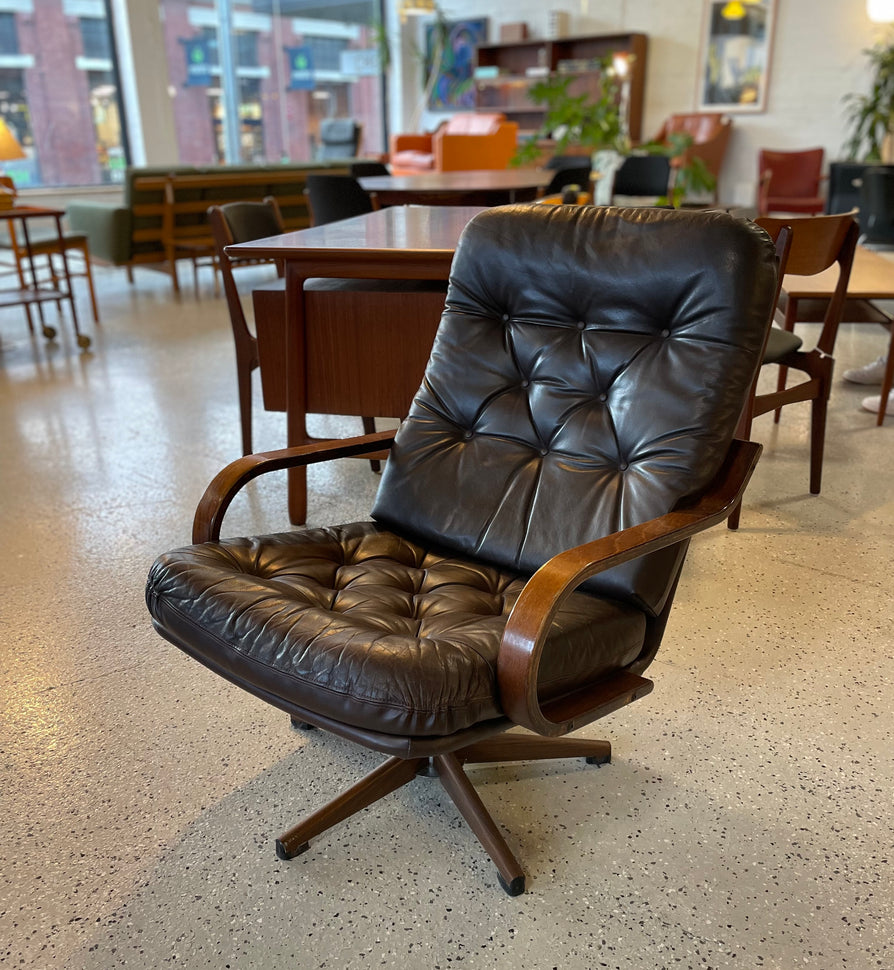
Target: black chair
{"points": [[877, 206], [339, 138], [573, 429], [360, 170], [643, 175], [571, 175], [334, 197]]}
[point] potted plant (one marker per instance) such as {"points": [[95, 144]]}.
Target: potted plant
{"points": [[600, 124], [593, 122], [872, 119]]}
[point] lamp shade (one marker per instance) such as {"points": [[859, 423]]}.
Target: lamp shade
{"points": [[880, 11], [413, 7], [9, 145]]}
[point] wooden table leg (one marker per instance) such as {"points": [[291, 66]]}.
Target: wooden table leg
{"points": [[296, 408]]}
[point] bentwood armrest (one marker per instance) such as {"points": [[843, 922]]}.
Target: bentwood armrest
{"points": [[231, 479], [523, 641]]}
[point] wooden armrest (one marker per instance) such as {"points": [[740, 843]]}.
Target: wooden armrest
{"points": [[518, 661], [230, 480]]}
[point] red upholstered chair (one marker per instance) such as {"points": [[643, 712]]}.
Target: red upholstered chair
{"points": [[790, 181], [573, 429]]}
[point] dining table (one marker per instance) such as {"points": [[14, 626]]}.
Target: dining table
{"points": [[475, 188], [871, 280], [363, 299]]}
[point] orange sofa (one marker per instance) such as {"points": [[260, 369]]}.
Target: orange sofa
{"points": [[465, 142]]}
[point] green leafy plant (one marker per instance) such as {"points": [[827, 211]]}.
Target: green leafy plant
{"points": [[689, 176], [872, 118], [598, 123], [578, 119]]}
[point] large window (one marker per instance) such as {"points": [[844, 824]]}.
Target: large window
{"points": [[253, 79], [59, 93]]}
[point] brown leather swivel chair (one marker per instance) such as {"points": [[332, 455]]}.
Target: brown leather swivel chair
{"points": [[574, 428]]}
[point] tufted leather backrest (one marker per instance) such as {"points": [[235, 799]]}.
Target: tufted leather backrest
{"points": [[588, 373]]}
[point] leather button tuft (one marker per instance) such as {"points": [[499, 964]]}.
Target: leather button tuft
{"points": [[525, 383], [505, 318], [467, 435], [665, 333], [544, 452], [581, 324], [623, 466], [603, 397]]}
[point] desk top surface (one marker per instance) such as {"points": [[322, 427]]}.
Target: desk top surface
{"points": [[404, 231], [872, 278], [460, 182]]}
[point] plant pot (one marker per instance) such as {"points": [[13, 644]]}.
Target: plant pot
{"points": [[604, 163]]}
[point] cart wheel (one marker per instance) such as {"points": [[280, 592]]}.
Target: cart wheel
{"points": [[49, 332], [83, 341]]}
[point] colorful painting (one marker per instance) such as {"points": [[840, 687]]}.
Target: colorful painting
{"points": [[736, 49], [454, 87]]}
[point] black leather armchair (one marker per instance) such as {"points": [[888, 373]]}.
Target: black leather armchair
{"points": [[574, 428]]}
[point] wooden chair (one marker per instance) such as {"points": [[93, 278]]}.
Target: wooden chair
{"points": [[47, 244], [265, 349], [790, 181], [817, 242], [569, 436], [243, 222]]}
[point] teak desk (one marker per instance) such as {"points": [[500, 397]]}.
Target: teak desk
{"points": [[361, 361], [475, 188]]}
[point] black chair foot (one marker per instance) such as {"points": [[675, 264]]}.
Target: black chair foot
{"points": [[514, 888], [285, 855], [300, 725]]}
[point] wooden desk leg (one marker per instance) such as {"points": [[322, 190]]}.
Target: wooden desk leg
{"points": [[296, 390], [887, 381]]}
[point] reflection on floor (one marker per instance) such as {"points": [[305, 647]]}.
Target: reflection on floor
{"points": [[746, 820]]}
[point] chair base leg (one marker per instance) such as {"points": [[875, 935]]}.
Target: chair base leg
{"points": [[397, 772]]}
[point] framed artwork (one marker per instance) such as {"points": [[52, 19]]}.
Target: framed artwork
{"points": [[735, 56], [453, 88]]}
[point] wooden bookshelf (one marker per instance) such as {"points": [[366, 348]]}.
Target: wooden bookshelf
{"points": [[516, 67]]}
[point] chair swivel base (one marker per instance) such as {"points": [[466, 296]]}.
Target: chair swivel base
{"points": [[397, 772]]}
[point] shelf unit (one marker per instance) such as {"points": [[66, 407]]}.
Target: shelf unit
{"points": [[507, 92]]}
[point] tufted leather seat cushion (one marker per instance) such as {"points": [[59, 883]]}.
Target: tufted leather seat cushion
{"points": [[556, 407], [369, 629]]}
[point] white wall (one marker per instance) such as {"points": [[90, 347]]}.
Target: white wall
{"points": [[816, 59]]}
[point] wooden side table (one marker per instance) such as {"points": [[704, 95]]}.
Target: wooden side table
{"points": [[31, 291]]}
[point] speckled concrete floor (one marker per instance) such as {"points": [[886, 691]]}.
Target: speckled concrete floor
{"points": [[746, 819]]}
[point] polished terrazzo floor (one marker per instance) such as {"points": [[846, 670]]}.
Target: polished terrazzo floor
{"points": [[746, 820]]}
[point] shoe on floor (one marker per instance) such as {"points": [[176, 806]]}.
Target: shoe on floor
{"points": [[868, 374], [872, 403]]}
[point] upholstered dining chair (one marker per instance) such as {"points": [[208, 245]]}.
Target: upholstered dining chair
{"points": [[334, 197], [790, 181], [573, 429], [816, 244]]}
